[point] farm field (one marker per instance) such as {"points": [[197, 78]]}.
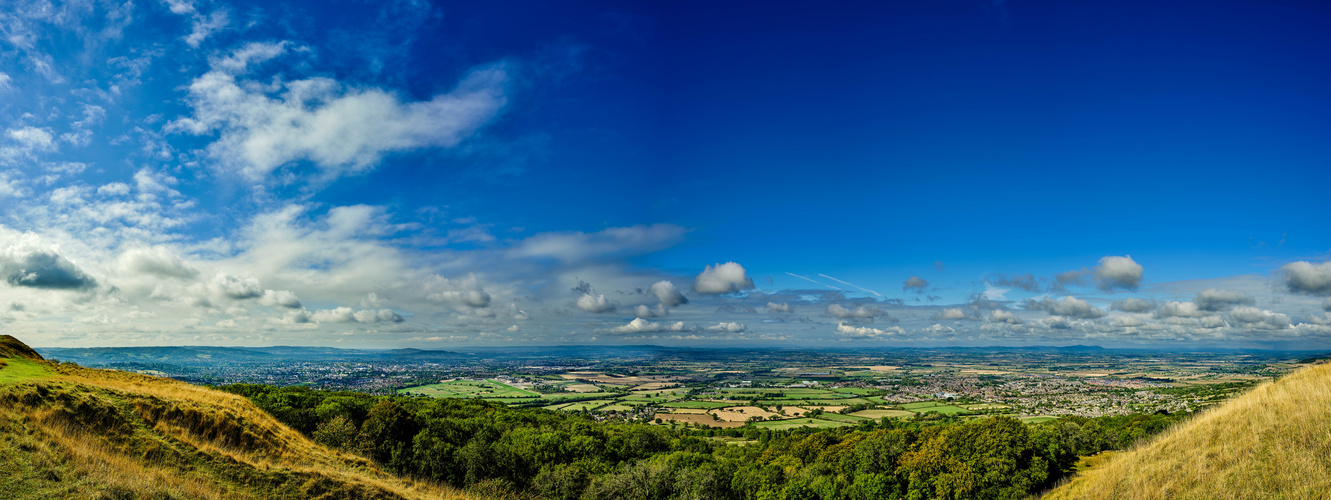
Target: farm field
{"points": [[796, 423]]}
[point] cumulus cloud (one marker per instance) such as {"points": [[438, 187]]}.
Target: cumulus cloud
{"points": [[1057, 322], [1252, 317], [236, 287], [781, 308], [1307, 277], [1118, 273], [1069, 306], [1133, 305], [1212, 299], [280, 298], [728, 327], [40, 268], [952, 313], [666, 292], [861, 312], [915, 284], [340, 130], [1002, 316], [348, 315], [466, 291], [156, 261], [639, 325], [722, 278], [863, 332], [595, 303], [1179, 310], [642, 311]]}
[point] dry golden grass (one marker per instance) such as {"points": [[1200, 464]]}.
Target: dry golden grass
{"points": [[1273, 442], [83, 433]]}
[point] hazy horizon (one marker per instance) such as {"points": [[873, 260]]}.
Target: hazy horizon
{"points": [[439, 175]]}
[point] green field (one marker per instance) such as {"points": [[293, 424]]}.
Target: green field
{"points": [[841, 418], [796, 423], [855, 390], [1036, 420], [17, 369], [467, 389], [587, 405], [883, 413]]}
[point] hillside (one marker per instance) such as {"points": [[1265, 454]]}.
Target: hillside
{"points": [[1273, 442], [73, 432]]}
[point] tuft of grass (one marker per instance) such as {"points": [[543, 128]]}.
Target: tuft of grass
{"points": [[1273, 442]]}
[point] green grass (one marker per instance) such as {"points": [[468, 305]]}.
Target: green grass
{"points": [[1036, 420], [841, 418], [796, 423], [924, 404], [587, 405], [20, 369], [883, 413]]}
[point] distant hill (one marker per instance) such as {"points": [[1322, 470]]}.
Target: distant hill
{"points": [[1273, 442], [73, 432]]}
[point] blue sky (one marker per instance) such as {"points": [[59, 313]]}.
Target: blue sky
{"points": [[437, 174]]}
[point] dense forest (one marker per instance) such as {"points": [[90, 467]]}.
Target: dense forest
{"points": [[507, 452]]}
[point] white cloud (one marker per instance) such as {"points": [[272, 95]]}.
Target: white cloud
{"points": [[864, 332], [280, 298], [575, 247], [348, 315], [1213, 299], [1307, 277], [1179, 310], [915, 284], [722, 278], [204, 26], [595, 303], [156, 261], [953, 313], [114, 189], [1001, 316], [642, 311], [861, 312], [1069, 306], [728, 327], [236, 287], [639, 325], [1118, 273], [33, 138], [340, 130], [781, 308], [1133, 305], [666, 292], [1252, 317]]}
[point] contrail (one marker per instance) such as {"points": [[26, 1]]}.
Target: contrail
{"points": [[851, 284], [813, 280]]}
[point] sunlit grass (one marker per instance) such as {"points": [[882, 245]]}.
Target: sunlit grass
{"points": [[1273, 442]]}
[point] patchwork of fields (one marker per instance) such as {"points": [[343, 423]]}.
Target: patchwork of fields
{"points": [[665, 401]]}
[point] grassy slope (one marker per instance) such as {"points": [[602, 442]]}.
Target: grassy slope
{"points": [[1273, 442], [72, 432]]}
